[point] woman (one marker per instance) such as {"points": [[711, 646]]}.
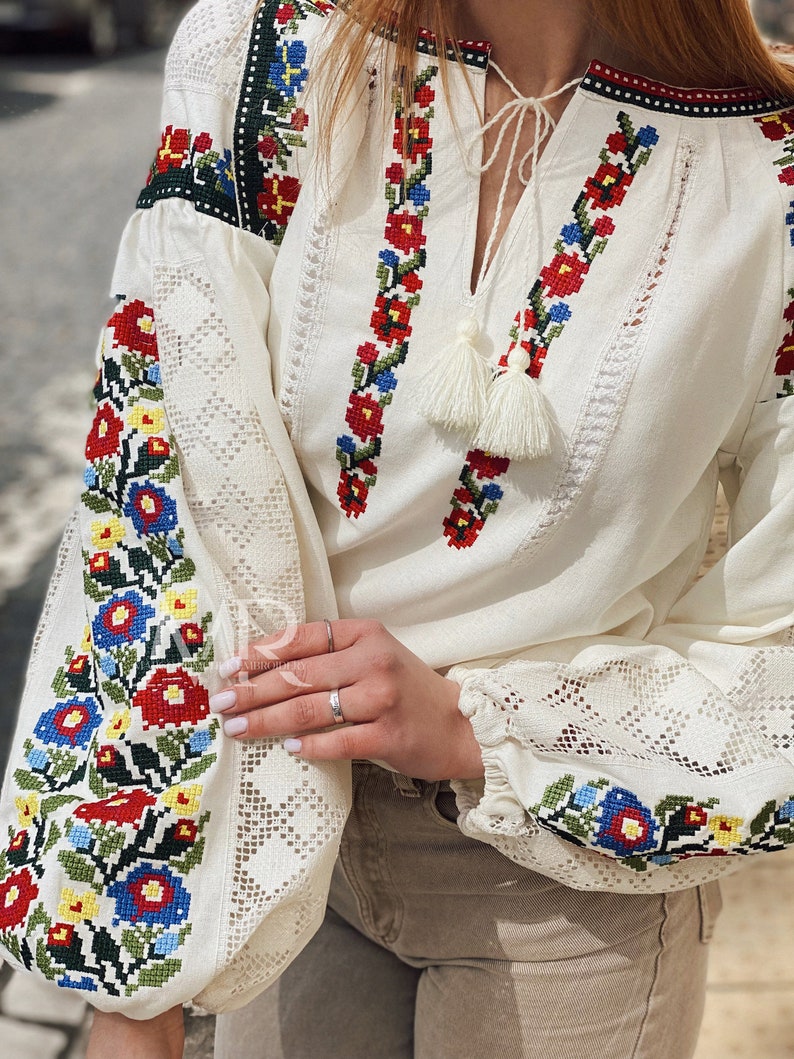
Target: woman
{"points": [[613, 731]]}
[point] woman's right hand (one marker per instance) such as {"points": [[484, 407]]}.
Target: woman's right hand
{"points": [[114, 1036]]}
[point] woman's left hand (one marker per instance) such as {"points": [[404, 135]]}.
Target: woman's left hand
{"points": [[397, 709]]}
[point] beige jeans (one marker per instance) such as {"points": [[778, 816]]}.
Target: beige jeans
{"points": [[435, 946]]}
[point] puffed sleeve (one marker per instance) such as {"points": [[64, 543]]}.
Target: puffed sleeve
{"points": [[660, 763]]}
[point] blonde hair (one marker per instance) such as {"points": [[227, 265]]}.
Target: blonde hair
{"points": [[702, 43]]}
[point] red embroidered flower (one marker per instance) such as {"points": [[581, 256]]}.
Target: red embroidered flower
{"points": [[695, 816], [424, 96], [368, 467], [185, 831], [103, 437], [299, 119], [157, 447], [463, 495], [461, 528], [352, 493], [777, 126], [99, 562], [364, 416], [419, 139], [17, 894], [106, 757], [123, 807], [404, 231], [279, 198], [784, 358], [395, 173], [174, 149], [367, 353], [786, 175], [486, 465], [60, 936], [18, 841], [268, 147], [617, 143], [285, 14], [192, 635], [78, 664], [202, 142], [412, 282], [171, 696], [391, 319], [788, 312], [564, 275], [133, 328], [609, 186], [604, 225]]}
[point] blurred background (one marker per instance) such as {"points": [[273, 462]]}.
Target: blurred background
{"points": [[80, 84]]}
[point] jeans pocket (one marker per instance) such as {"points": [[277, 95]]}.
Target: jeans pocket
{"points": [[710, 900], [444, 806]]}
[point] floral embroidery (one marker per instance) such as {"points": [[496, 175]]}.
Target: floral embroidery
{"points": [[192, 167], [544, 318], [108, 785], [613, 820], [780, 127], [270, 122], [398, 274]]}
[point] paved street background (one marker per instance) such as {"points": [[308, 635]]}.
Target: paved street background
{"points": [[78, 137]]}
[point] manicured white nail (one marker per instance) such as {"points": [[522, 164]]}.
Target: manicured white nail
{"points": [[292, 746], [224, 700], [236, 726], [231, 667]]}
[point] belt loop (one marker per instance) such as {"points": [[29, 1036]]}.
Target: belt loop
{"points": [[406, 786]]}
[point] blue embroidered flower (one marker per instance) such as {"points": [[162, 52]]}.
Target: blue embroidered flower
{"points": [[627, 826], [152, 895], [585, 796], [389, 258], [166, 944], [89, 476], [153, 373], [571, 234], [151, 509], [121, 620], [85, 983], [108, 665], [70, 723], [786, 810], [386, 381], [289, 75], [560, 312], [174, 547], [225, 174], [492, 491], [648, 136], [661, 858], [199, 741], [790, 221], [37, 759], [346, 443], [80, 837], [419, 195]]}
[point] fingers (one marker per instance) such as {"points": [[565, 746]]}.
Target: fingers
{"points": [[288, 681], [296, 642], [306, 713]]}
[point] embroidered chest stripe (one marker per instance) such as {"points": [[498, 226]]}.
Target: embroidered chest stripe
{"points": [[547, 311], [399, 285], [780, 128]]}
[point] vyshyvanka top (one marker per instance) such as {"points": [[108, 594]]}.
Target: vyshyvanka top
{"points": [[636, 725]]}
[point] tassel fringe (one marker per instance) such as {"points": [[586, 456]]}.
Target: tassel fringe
{"points": [[517, 423], [455, 392]]}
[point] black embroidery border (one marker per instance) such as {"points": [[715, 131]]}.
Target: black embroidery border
{"points": [[182, 184]]}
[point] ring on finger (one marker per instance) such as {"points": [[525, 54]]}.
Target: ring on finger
{"points": [[329, 632], [336, 708]]}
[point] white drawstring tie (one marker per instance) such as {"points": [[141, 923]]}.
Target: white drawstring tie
{"points": [[504, 412]]}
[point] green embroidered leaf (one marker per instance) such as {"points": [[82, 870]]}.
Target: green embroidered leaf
{"points": [[760, 823], [198, 768], [574, 824], [52, 838], [155, 975], [39, 918], [99, 504], [79, 869], [189, 860], [11, 943], [92, 589], [134, 945], [49, 805], [28, 781], [114, 691], [63, 762], [671, 804], [151, 393], [183, 571], [558, 792], [43, 961], [171, 745], [97, 784]]}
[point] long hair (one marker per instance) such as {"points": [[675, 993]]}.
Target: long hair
{"points": [[695, 43]]}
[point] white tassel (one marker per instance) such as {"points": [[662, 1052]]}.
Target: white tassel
{"points": [[517, 423], [455, 386]]}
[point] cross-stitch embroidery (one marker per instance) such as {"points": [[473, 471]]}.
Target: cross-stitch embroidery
{"points": [[399, 285], [544, 318], [192, 167], [129, 729], [614, 821]]}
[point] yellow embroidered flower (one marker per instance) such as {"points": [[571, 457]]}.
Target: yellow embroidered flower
{"points": [[146, 420], [27, 808], [183, 800], [76, 907], [106, 532], [86, 642], [181, 604], [118, 724], [726, 830]]}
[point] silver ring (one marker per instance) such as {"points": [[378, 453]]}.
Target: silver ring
{"points": [[330, 634], [336, 709]]}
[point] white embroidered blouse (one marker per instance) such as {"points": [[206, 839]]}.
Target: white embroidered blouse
{"points": [[636, 725]]}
